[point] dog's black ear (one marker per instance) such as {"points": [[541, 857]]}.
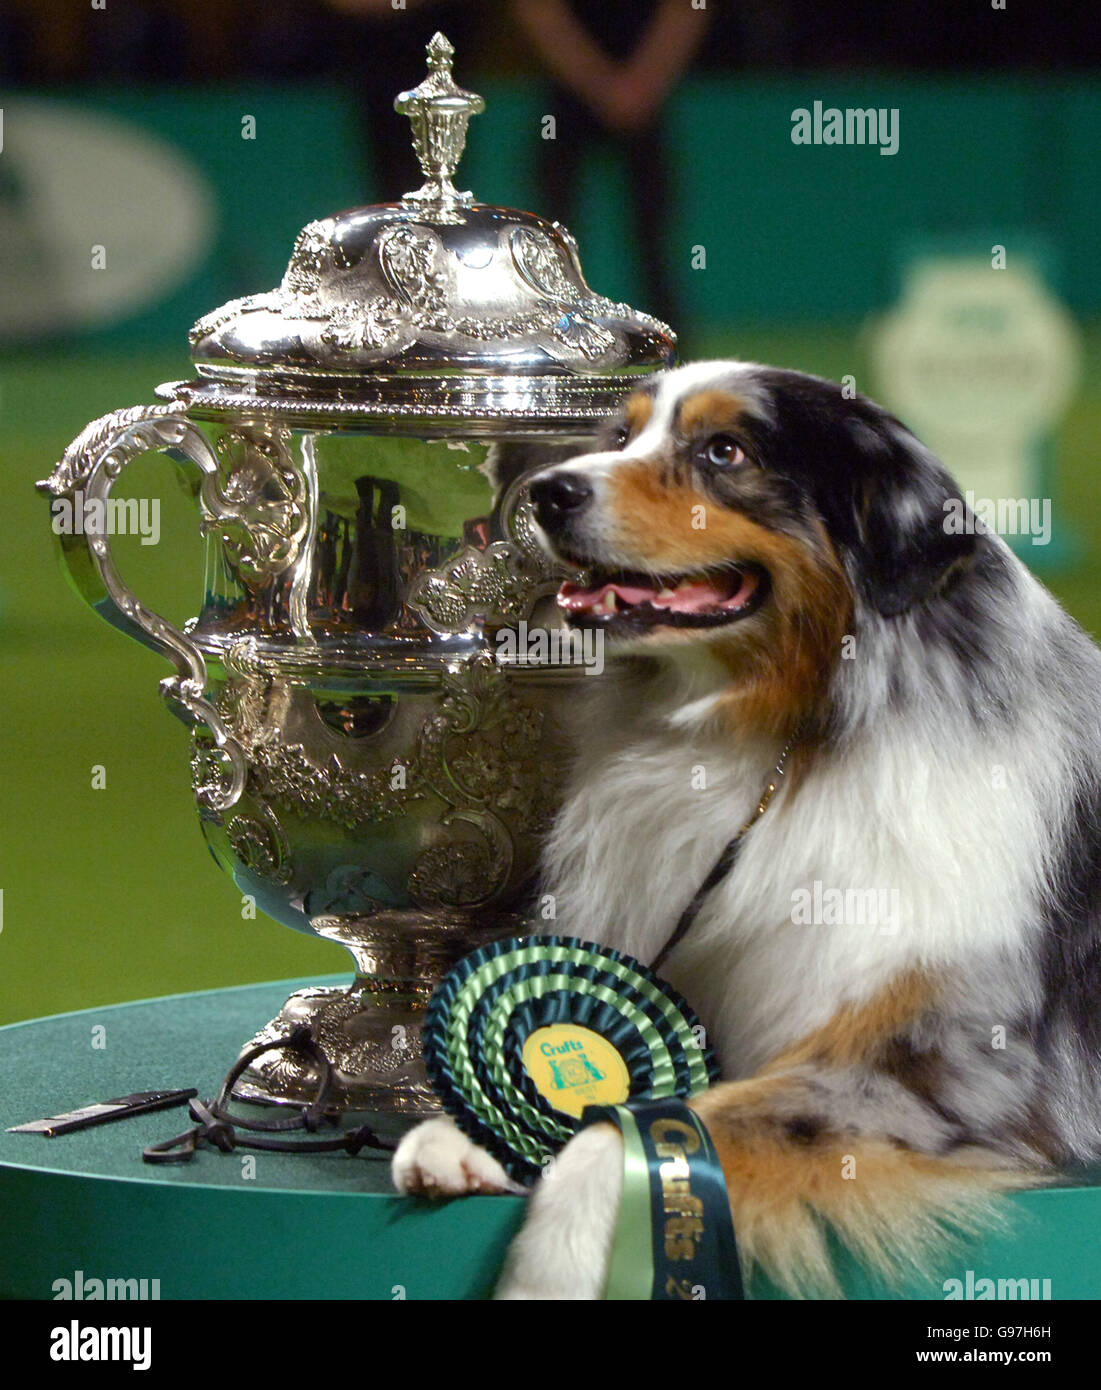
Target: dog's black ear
{"points": [[913, 530], [892, 508]]}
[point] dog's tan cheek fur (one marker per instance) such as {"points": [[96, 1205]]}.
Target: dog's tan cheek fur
{"points": [[798, 643], [659, 521], [637, 412], [780, 663]]}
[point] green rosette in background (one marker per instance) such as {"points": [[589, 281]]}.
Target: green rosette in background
{"points": [[524, 1035]]}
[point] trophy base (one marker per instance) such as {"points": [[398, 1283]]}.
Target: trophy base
{"points": [[371, 1031]]}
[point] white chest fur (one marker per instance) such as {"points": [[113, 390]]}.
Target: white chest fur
{"points": [[921, 848]]}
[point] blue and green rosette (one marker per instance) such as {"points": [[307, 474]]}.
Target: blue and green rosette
{"points": [[529, 1039], [615, 1034]]}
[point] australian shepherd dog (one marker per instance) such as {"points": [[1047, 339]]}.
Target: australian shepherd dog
{"points": [[901, 973]]}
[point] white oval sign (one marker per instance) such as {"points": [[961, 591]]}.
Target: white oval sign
{"points": [[98, 218]]}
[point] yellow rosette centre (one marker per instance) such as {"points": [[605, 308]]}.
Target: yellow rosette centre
{"points": [[572, 1067]]}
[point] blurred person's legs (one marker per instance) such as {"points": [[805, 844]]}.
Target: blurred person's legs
{"points": [[651, 191], [646, 166], [15, 45], [562, 159]]}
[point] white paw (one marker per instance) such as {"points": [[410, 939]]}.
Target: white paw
{"points": [[436, 1159], [563, 1248]]}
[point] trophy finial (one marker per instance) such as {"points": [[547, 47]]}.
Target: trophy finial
{"points": [[440, 52], [439, 111]]}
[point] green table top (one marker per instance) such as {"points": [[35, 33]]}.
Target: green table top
{"points": [[310, 1225], [51, 1066]]}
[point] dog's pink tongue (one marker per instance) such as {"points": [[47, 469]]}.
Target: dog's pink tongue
{"points": [[695, 597], [692, 598]]}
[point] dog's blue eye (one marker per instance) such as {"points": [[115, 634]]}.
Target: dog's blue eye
{"points": [[723, 452]]}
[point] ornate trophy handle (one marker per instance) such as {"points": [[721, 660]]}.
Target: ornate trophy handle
{"points": [[85, 475]]}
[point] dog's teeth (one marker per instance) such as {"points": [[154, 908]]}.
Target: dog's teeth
{"points": [[606, 604], [666, 593]]}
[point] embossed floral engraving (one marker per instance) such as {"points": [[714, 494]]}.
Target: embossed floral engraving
{"points": [[410, 293], [409, 263], [257, 503], [452, 874], [500, 584], [540, 263], [309, 260], [260, 844], [376, 324], [474, 584], [297, 779], [473, 777], [359, 1042], [480, 753]]}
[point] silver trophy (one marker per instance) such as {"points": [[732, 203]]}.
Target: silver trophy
{"points": [[364, 764]]}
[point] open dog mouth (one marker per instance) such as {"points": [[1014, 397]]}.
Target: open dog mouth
{"points": [[637, 601]]}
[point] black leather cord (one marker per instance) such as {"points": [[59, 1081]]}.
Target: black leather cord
{"points": [[723, 865], [216, 1127], [725, 861]]}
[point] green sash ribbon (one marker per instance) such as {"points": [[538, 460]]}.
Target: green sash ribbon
{"points": [[674, 1239]]}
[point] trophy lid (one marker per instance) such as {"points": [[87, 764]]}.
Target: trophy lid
{"points": [[434, 310]]}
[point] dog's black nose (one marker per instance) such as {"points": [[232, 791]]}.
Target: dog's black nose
{"points": [[558, 497]]}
